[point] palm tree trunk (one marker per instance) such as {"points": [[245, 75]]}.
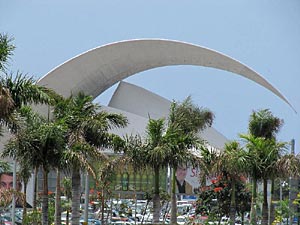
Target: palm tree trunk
{"points": [[75, 196], [253, 219], [108, 214], [145, 210], [265, 213], [35, 192], [232, 211], [57, 199], [166, 212], [243, 218], [35, 188], [24, 200], [68, 217], [156, 198], [173, 199], [272, 207], [102, 206], [45, 198]]}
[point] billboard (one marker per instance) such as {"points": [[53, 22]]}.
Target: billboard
{"points": [[187, 180], [6, 190]]}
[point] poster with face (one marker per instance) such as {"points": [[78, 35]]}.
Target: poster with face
{"points": [[187, 180], [6, 190]]}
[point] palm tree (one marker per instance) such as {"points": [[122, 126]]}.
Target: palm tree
{"points": [[88, 131], [186, 120], [234, 163], [39, 144], [17, 91], [265, 157], [254, 171], [149, 153], [50, 152], [156, 150], [264, 124], [167, 143]]}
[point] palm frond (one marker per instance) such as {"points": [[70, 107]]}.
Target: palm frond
{"points": [[24, 91], [4, 166], [6, 50], [288, 166], [6, 103], [263, 123]]}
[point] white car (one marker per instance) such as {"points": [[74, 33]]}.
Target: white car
{"points": [[181, 220]]}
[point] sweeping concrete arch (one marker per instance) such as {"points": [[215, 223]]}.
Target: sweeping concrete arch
{"points": [[98, 69]]}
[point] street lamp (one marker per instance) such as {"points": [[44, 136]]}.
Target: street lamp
{"points": [[290, 184]]}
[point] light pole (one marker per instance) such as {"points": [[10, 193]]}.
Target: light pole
{"points": [[86, 198], [290, 185], [280, 197], [13, 208]]}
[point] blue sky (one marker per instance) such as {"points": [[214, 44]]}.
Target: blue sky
{"points": [[263, 34]]}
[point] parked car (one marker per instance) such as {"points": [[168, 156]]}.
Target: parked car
{"points": [[181, 220]]}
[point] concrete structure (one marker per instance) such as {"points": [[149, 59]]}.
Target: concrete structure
{"points": [[96, 70], [138, 105]]}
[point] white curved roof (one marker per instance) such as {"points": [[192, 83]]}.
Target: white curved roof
{"points": [[98, 69]]}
